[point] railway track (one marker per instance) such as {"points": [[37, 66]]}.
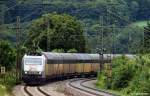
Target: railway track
{"points": [[78, 84], [31, 93], [26, 91], [82, 84], [74, 87], [45, 94]]}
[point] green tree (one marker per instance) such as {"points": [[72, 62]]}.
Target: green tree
{"points": [[7, 57], [54, 31], [147, 38]]}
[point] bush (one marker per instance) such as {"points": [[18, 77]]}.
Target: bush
{"points": [[101, 80], [140, 84], [121, 76], [122, 72], [58, 50], [7, 55], [72, 51]]}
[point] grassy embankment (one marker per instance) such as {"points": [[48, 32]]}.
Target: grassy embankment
{"points": [[7, 82], [3, 91]]}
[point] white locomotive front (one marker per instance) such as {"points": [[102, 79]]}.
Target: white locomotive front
{"points": [[33, 68]]}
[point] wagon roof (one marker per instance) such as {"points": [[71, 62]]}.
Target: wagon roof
{"points": [[78, 57], [70, 56]]}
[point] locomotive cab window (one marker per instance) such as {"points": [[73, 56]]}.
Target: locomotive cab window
{"points": [[33, 61]]}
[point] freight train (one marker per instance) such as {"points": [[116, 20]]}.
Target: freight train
{"points": [[50, 66]]}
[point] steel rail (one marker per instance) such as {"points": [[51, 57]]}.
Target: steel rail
{"points": [[99, 90], [28, 93], [38, 88], [70, 84], [44, 93]]}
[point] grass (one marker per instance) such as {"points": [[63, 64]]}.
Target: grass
{"points": [[3, 91], [7, 84]]}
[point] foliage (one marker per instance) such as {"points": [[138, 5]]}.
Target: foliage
{"points": [[130, 76], [147, 38], [140, 83], [62, 31], [122, 72], [133, 9], [120, 40], [127, 39], [72, 51], [58, 50], [2, 90], [140, 23], [7, 34], [7, 57], [8, 81], [88, 12], [101, 80]]}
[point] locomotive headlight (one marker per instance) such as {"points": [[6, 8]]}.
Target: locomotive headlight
{"points": [[25, 72], [40, 72]]}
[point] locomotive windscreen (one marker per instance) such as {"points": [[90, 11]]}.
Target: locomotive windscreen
{"points": [[32, 61]]}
